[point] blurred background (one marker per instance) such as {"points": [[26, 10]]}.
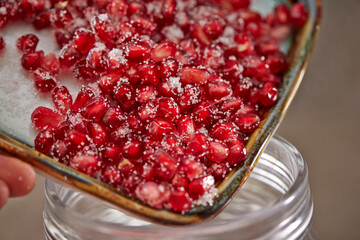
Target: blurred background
{"points": [[323, 123]]}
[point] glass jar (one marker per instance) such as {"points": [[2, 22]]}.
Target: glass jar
{"points": [[274, 203]]}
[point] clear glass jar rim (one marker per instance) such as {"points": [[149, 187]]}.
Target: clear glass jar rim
{"points": [[284, 202]]}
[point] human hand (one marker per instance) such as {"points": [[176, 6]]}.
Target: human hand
{"points": [[17, 178]]}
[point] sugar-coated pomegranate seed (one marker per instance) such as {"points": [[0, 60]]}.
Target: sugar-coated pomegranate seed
{"points": [[172, 92], [43, 117], [27, 43]]}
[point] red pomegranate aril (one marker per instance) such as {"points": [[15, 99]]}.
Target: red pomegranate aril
{"points": [[218, 152], [168, 68], [27, 43], [167, 108], [83, 72], [114, 117], [96, 109], [83, 40], [282, 14], [138, 51], [231, 105], [179, 200], [85, 163], [203, 114], [68, 56], [276, 62], [108, 82], [168, 9], [149, 74], [50, 63], [76, 140], [199, 34], [44, 141], [84, 96], [237, 152], [158, 128], [98, 133], [245, 45], [267, 47], [132, 149], [247, 122], [62, 37], [218, 170], [151, 193], [194, 75], [112, 154], [97, 58], [145, 94], [198, 145], [62, 99], [122, 92], [192, 168], [44, 81], [268, 94], [42, 20], [223, 131], [179, 182], [43, 117], [112, 176], [298, 15], [143, 25], [117, 8], [130, 183], [218, 90], [163, 50], [200, 186], [213, 28], [186, 128], [165, 165], [213, 57], [61, 130], [189, 97], [31, 61], [61, 18]]}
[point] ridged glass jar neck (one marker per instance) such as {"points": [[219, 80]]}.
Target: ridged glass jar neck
{"points": [[274, 203]]}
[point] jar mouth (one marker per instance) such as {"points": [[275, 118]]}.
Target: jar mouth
{"points": [[293, 185]]}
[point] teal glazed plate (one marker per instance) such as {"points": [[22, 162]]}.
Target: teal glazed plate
{"points": [[18, 99]]}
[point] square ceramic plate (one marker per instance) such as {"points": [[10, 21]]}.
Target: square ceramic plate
{"points": [[18, 99]]}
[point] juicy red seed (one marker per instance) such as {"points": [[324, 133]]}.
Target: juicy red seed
{"points": [[150, 193], [186, 128], [83, 72], [62, 129], [149, 74], [276, 62], [282, 14], [108, 82], [122, 93], [298, 15], [195, 75], [103, 28], [98, 133], [130, 183], [179, 182], [203, 114], [132, 149], [135, 7], [31, 61], [96, 109], [118, 8], [84, 163], [42, 20], [165, 165], [68, 56], [218, 152], [43, 117], [2, 43], [145, 94], [218, 90], [44, 140], [168, 68], [163, 50], [192, 169], [179, 200], [138, 51], [268, 94], [237, 152], [83, 40], [232, 105], [167, 108], [62, 37], [158, 128], [245, 45], [97, 59], [27, 43], [143, 25], [62, 99], [247, 122], [114, 117], [112, 176], [267, 47], [61, 18], [223, 131], [116, 59], [168, 9], [44, 81], [198, 145], [213, 28], [50, 63], [199, 34], [199, 186], [218, 170], [76, 140], [112, 154], [83, 97]]}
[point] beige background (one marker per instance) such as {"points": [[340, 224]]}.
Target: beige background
{"points": [[323, 123]]}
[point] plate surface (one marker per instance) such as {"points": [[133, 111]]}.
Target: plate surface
{"points": [[18, 99]]}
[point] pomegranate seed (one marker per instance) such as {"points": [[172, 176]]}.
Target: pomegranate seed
{"points": [[268, 94], [62, 129], [116, 59], [44, 81], [114, 117], [276, 62], [179, 200], [83, 40], [237, 152], [158, 128], [27, 43], [85, 163], [97, 58], [218, 152], [31, 61], [231, 105], [118, 8], [62, 37], [193, 169], [189, 97], [198, 145], [68, 56], [168, 68], [50, 63], [76, 140], [43, 117], [213, 57], [179, 182], [42, 20], [282, 14], [165, 165], [163, 50], [61, 18], [218, 170], [112, 176], [168, 9], [245, 45], [298, 15], [168, 108], [150, 193], [135, 8], [186, 128], [138, 51], [213, 28], [218, 90], [44, 141], [145, 94], [96, 109], [112, 154], [195, 75], [199, 34], [202, 114], [62, 99], [98, 133], [199, 186], [83, 97], [143, 25], [223, 131], [149, 74], [132, 149], [247, 122], [108, 82], [84, 72]]}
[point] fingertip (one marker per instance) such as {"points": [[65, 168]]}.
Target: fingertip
{"points": [[4, 193]]}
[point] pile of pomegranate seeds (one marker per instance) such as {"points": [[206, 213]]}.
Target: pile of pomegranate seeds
{"points": [[172, 88]]}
